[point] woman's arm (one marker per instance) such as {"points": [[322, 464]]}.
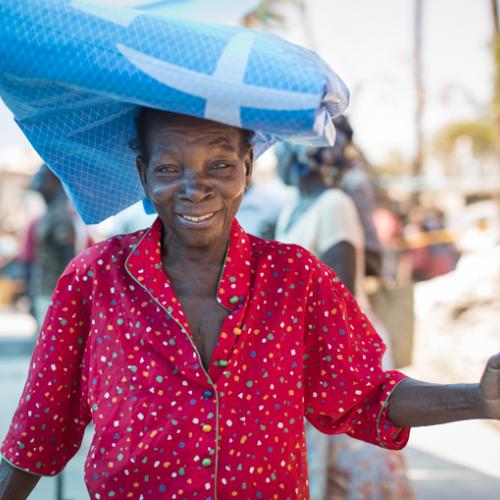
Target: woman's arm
{"points": [[341, 257], [414, 403], [15, 484]]}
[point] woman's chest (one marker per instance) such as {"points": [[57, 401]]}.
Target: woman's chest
{"points": [[136, 332], [205, 318]]}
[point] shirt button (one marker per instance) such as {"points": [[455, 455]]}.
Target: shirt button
{"points": [[206, 428], [206, 462], [208, 394]]}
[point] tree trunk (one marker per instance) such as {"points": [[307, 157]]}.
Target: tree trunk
{"points": [[494, 15], [420, 99]]}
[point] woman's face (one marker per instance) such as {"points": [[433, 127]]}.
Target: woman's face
{"points": [[196, 174]]}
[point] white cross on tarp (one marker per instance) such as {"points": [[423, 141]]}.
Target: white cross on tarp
{"points": [[225, 91]]}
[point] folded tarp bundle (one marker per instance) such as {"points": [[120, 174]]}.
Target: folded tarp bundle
{"points": [[75, 74]]}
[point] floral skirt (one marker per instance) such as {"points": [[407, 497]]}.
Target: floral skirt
{"points": [[343, 468]]}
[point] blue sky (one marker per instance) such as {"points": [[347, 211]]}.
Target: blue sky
{"points": [[369, 43]]}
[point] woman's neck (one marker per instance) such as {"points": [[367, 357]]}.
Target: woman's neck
{"points": [[194, 271], [177, 256], [182, 256], [311, 187]]}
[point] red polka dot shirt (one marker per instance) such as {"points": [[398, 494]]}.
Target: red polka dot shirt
{"points": [[115, 350]]}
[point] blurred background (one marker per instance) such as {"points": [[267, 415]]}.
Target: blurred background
{"points": [[425, 114]]}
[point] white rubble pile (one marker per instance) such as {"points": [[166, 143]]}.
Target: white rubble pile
{"points": [[458, 320]]}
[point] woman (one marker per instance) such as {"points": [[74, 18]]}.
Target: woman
{"points": [[197, 349], [324, 220]]}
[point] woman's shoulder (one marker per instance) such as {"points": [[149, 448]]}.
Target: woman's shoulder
{"points": [[337, 198], [337, 209], [284, 255], [112, 250]]}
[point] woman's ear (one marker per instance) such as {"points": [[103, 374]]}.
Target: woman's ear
{"points": [[248, 160], [142, 168]]}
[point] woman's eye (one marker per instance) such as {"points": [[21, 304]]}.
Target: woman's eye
{"points": [[222, 165], [166, 169]]}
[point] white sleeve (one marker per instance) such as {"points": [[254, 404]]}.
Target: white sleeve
{"points": [[339, 221]]}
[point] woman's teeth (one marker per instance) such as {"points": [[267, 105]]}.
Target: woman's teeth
{"points": [[197, 219]]}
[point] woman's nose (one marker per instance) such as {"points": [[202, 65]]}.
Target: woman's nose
{"points": [[196, 189]]}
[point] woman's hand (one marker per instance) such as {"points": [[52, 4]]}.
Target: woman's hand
{"points": [[490, 387]]}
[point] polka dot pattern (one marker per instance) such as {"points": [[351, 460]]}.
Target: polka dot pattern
{"points": [[115, 349]]}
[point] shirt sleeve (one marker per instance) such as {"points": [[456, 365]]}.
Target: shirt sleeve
{"points": [[50, 420], [345, 387]]}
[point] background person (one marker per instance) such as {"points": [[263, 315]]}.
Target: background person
{"points": [[356, 181], [324, 220], [53, 242]]}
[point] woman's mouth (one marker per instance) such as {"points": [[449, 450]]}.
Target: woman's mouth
{"points": [[196, 219], [201, 218]]}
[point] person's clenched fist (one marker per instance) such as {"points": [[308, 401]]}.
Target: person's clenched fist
{"points": [[490, 387]]}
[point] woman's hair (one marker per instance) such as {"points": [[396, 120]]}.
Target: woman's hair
{"points": [[144, 118], [343, 125]]}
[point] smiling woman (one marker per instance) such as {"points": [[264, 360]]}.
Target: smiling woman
{"points": [[197, 349]]}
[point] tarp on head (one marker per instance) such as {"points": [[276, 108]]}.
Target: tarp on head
{"points": [[75, 73]]}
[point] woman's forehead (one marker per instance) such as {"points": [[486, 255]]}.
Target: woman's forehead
{"points": [[167, 127], [210, 133], [166, 123]]}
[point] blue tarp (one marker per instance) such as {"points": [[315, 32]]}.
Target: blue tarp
{"points": [[74, 74]]}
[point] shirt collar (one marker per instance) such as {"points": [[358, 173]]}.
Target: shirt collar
{"points": [[144, 264]]}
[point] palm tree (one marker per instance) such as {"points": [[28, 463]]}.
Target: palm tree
{"points": [[496, 56], [494, 12], [496, 93], [267, 13]]}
